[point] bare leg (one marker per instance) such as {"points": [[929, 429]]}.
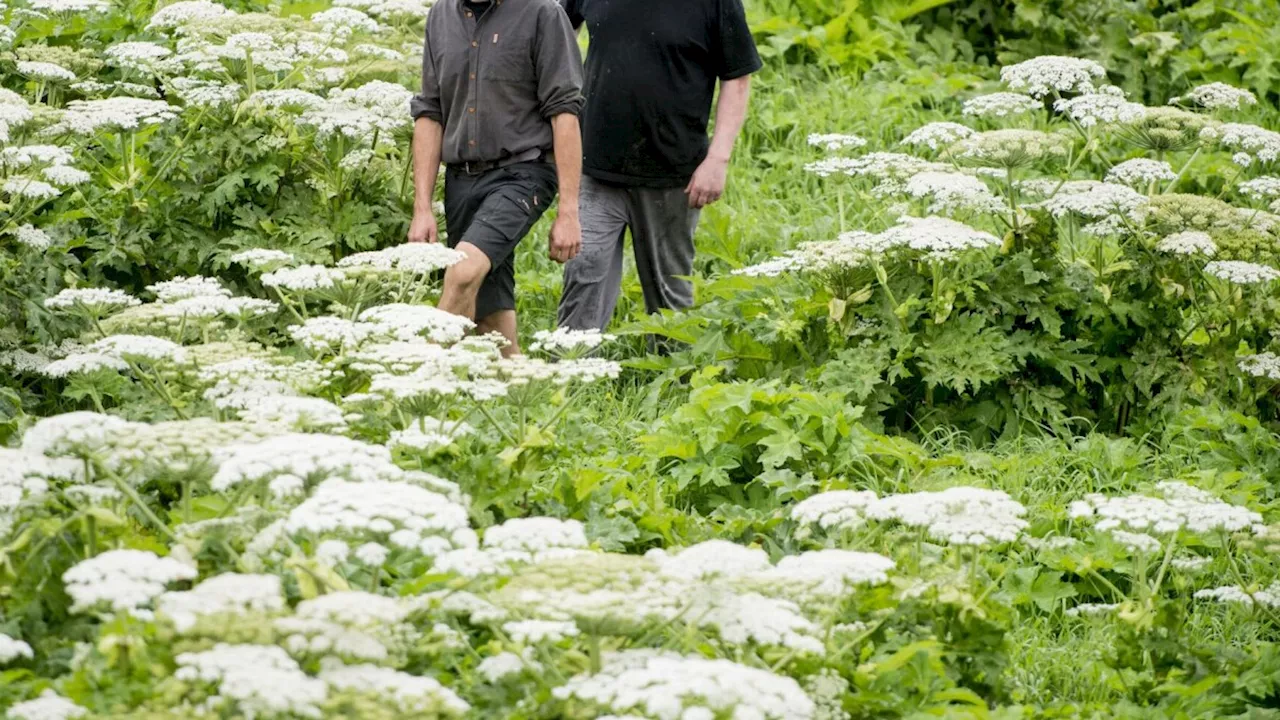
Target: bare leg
{"points": [[503, 321], [462, 282]]}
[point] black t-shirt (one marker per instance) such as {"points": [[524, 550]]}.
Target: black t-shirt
{"points": [[651, 76]]}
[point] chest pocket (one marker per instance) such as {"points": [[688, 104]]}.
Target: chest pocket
{"points": [[509, 59]]}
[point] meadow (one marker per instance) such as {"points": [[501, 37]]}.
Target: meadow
{"points": [[975, 417]]}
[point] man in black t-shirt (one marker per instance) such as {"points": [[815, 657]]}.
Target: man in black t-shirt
{"points": [[652, 70]]}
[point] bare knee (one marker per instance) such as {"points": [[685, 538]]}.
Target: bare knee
{"points": [[467, 275]]}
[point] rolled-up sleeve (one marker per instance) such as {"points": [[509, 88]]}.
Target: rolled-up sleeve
{"points": [[426, 104], [559, 64]]}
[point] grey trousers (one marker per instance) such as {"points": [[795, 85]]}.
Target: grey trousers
{"points": [[662, 226]]}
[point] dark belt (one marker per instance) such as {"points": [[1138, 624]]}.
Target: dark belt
{"points": [[481, 167]]}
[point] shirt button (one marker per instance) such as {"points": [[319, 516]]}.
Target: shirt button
{"points": [[473, 76], [472, 143], [475, 44], [471, 110], [468, 13]]}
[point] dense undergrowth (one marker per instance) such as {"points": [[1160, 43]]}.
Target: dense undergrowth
{"points": [[976, 415]]}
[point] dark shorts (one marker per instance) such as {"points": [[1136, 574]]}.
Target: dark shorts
{"points": [[494, 211]]}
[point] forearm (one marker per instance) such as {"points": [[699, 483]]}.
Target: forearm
{"points": [[568, 153], [731, 113], [428, 141]]}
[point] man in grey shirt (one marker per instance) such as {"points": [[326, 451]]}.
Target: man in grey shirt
{"points": [[501, 93]]}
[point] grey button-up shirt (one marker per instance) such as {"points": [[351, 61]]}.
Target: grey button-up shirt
{"points": [[495, 82]]}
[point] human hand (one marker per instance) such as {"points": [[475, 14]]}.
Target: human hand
{"points": [[566, 237], [707, 184], [423, 229]]}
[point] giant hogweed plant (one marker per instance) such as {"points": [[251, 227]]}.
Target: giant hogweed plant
{"points": [[1057, 255]]}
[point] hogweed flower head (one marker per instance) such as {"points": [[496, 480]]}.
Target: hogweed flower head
{"points": [[227, 596], [1217, 96], [1251, 142], [957, 515], [1188, 242], [1010, 149], [89, 117], [1050, 74], [1240, 272], [836, 141], [646, 683], [49, 706], [1263, 365], [1141, 172], [122, 580], [938, 135], [1105, 107], [999, 105], [253, 680]]}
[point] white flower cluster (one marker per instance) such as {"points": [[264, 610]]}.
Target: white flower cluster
{"points": [[74, 434], [936, 237], [1141, 172], [877, 165], [342, 20], [139, 56], [429, 434], [1189, 242], [644, 683], [1216, 96], [1251, 142], [411, 258], [253, 681], [369, 113], [49, 706], [258, 258], [1001, 104], [1105, 107], [1175, 507], [408, 695], [405, 515], [89, 117], [1270, 597], [328, 334], [957, 515], [46, 71], [566, 340], [1266, 187], [304, 277], [1263, 365], [11, 649], [1097, 201], [952, 192], [406, 322], [1241, 272], [300, 460], [225, 596], [122, 580], [1091, 609], [96, 299], [33, 237], [1052, 74], [937, 135], [838, 509], [836, 141], [205, 93], [515, 542], [184, 12]]}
